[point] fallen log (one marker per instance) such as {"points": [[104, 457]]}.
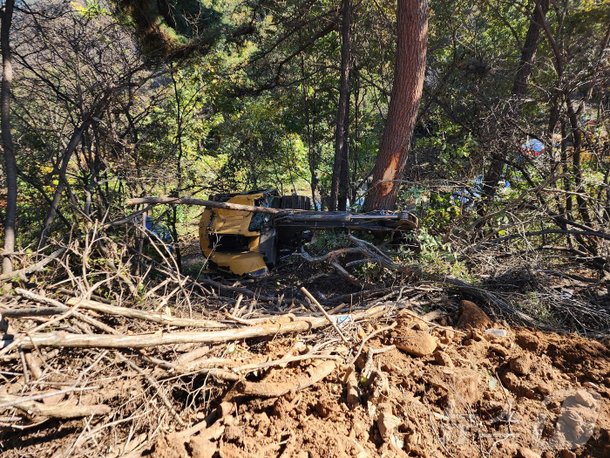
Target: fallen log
{"points": [[276, 327]]}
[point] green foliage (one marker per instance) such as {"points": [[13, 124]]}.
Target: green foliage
{"points": [[435, 256], [247, 93], [90, 9], [326, 241], [261, 151]]}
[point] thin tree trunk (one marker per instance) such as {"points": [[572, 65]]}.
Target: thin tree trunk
{"points": [[409, 73], [573, 119], [529, 49], [524, 70], [312, 157], [178, 190], [598, 61], [10, 164], [576, 165], [76, 138], [340, 177], [356, 136], [344, 174]]}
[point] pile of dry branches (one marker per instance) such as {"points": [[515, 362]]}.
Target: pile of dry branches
{"points": [[107, 344], [120, 349]]}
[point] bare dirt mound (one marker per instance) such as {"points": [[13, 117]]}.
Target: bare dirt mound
{"points": [[446, 392]]}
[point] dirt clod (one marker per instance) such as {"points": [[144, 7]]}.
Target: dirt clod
{"points": [[416, 343], [386, 421], [567, 454], [472, 317], [527, 453], [521, 365], [443, 359], [529, 394]]}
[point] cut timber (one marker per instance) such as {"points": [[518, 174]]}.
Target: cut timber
{"points": [[315, 373], [66, 340]]}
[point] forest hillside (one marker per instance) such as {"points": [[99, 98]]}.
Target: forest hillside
{"points": [[305, 228]]}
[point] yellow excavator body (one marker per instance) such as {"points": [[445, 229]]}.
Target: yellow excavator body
{"points": [[249, 242], [216, 223]]}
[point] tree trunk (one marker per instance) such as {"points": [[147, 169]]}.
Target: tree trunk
{"points": [[524, 70], [340, 177], [529, 48], [576, 165], [72, 145], [10, 165], [409, 73], [344, 173]]}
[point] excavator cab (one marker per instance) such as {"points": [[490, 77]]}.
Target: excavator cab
{"points": [[243, 242]]}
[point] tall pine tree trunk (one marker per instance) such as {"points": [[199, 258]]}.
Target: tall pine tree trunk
{"points": [[10, 165], [340, 179], [409, 74]]}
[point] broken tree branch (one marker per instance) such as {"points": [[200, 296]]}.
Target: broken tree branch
{"points": [[37, 267], [326, 315], [145, 315], [61, 410], [118, 311], [278, 327], [203, 203], [274, 389]]}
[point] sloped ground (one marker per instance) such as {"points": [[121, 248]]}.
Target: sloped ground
{"points": [[400, 367], [527, 394]]}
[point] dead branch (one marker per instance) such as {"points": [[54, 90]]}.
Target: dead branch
{"points": [[119, 311], [203, 203], [63, 410], [145, 315], [315, 373], [60, 308], [235, 289], [34, 267], [491, 300], [277, 327], [331, 255], [377, 255], [326, 315], [345, 274], [31, 311]]}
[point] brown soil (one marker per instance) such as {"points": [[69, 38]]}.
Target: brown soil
{"points": [[527, 394], [417, 386]]}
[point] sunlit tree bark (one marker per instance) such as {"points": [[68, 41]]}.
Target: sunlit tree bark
{"points": [[409, 73]]}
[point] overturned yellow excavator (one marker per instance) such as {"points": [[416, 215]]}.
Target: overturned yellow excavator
{"points": [[248, 242]]}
